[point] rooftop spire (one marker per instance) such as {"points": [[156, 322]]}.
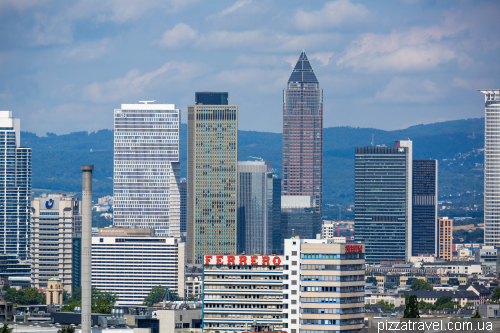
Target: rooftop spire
{"points": [[303, 71]]}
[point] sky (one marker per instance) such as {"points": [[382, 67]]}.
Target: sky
{"points": [[66, 65]]}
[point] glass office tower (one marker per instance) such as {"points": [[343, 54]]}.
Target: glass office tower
{"points": [[424, 207], [382, 187], [212, 179], [303, 134], [492, 167], [146, 168], [256, 207], [15, 189]]}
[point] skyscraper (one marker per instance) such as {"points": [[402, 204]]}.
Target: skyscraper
{"points": [[146, 167], [491, 167], [15, 188], [383, 200], [55, 220], [303, 134], [212, 177], [424, 207], [445, 238], [257, 207]]}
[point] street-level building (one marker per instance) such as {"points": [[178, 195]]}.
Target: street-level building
{"points": [[242, 293], [56, 220], [489, 257], [323, 286], [131, 265]]}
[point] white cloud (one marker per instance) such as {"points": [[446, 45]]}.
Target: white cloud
{"points": [[322, 57], [88, 51], [333, 14], [238, 4], [180, 35], [134, 84], [415, 49], [406, 90], [183, 35]]}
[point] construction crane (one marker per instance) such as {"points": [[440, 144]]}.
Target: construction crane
{"points": [[166, 297]]}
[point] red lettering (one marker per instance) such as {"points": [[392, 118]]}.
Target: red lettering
{"points": [[254, 260], [243, 260], [276, 260], [207, 260], [219, 260], [353, 248], [265, 260], [230, 260]]}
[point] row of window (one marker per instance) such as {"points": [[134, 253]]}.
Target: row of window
{"points": [[332, 310], [343, 278], [334, 256], [334, 267], [352, 321], [334, 289], [339, 300]]}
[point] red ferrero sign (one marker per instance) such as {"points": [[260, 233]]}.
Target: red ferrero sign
{"points": [[353, 248], [244, 260]]}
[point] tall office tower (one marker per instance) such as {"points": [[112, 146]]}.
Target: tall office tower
{"points": [[383, 188], [323, 286], [212, 177], [303, 134], [424, 207], [55, 219], [256, 207], [15, 188], [183, 192], [445, 238], [299, 217], [146, 167], [491, 167]]}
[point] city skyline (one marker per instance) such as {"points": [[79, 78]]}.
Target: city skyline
{"points": [[421, 58]]}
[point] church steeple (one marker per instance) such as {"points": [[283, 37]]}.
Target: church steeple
{"points": [[303, 71]]}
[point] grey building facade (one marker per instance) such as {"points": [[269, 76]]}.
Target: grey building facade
{"points": [[257, 207], [299, 217], [382, 187], [15, 189]]}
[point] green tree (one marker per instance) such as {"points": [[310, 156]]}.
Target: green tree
{"points": [[443, 300], [66, 329], [496, 295], [102, 305], [419, 284], [5, 329], [411, 309], [71, 307], [156, 296], [385, 304], [476, 315], [26, 296], [5, 287], [191, 297]]}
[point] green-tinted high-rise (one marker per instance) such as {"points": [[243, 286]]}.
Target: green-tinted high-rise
{"points": [[212, 178]]}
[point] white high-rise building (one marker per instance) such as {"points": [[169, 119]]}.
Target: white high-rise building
{"points": [[146, 167], [492, 167], [15, 188]]}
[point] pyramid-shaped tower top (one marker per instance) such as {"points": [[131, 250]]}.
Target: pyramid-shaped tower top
{"points": [[303, 71]]}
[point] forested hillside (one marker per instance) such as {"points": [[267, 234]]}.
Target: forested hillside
{"points": [[456, 144]]}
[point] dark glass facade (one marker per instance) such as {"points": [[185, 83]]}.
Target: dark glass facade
{"points": [[381, 192], [298, 220], [211, 98], [424, 196], [76, 264], [10, 265], [303, 134], [275, 194]]}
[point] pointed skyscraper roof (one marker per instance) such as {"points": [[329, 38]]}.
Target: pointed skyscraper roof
{"points": [[303, 71]]}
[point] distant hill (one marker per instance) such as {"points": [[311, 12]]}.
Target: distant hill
{"points": [[57, 158]]}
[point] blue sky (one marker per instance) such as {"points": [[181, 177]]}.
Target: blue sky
{"points": [[66, 65]]}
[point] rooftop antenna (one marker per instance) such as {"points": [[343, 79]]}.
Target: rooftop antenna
{"points": [[146, 102], [373, 141]]}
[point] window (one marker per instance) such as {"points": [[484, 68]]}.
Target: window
{"points": [[294, 263], [101, 240], [294, 292], [180, 319], [294, 253], [294, 282], [294, 301], [294, 272], [294, 311]]}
